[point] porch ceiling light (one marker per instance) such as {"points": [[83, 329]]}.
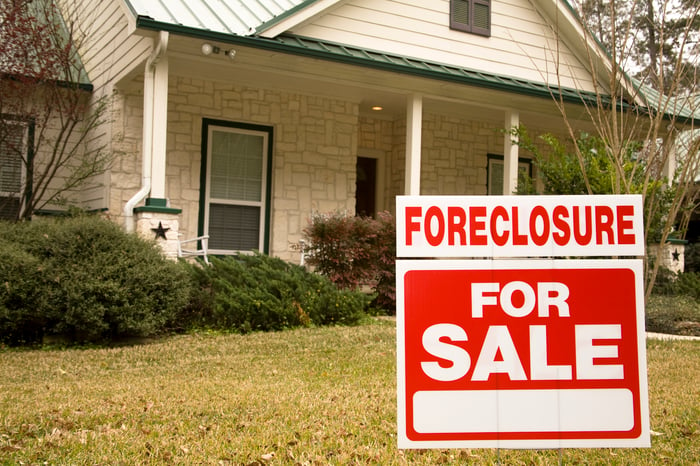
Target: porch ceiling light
{"points": [[208, 49], [377, 108]]}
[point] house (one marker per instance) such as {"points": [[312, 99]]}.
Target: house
{"points": [[238, 120], [44, 95]]}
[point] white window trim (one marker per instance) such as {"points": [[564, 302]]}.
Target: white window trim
{"points": [[262, 204]]}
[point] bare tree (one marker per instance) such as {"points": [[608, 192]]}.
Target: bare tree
{"points": [[48, 114], [646, 124]]}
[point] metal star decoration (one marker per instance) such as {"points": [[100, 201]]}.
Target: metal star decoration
{"points": [[676, 256], [160, 231]]}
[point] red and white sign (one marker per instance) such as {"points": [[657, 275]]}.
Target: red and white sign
{"points": [[521, 353], [519, 226]]}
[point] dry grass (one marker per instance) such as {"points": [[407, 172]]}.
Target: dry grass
{"points": [[312, 396]]}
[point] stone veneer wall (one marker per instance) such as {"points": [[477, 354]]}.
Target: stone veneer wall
{"points": [[316, 141], [455, 152], [314, 150], [454, 155]]}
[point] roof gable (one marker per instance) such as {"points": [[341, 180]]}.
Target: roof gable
{"points": [[524, 42], [534, 41]]}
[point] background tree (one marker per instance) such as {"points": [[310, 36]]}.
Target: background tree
{"points": [[47, 111], [656, 36], [642, 110]]}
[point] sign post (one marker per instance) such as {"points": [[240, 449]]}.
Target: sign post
{"points": [[520, 353]]}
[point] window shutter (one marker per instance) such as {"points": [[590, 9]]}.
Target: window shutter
{"points": [[482, 17], [11, 148], [471, 16], [459, 15]]}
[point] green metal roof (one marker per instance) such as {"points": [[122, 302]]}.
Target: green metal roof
{"points": [[239, 21], [240, 17]]}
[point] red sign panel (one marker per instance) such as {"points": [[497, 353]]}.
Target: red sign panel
{"points": [[521, 354]]}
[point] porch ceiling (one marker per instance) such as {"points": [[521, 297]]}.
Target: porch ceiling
{"points": [[367, 87]]}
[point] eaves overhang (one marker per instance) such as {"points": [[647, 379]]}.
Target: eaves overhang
{"points": [[341, 53], [81, 85]]}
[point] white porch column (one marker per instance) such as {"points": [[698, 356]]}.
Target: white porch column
{"points": [[160, 127], [670, 165], [510, 153], [414, 127], [156, 219]]}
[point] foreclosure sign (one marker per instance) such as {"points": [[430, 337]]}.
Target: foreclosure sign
{"points": [[519, 226], [520, 353]]}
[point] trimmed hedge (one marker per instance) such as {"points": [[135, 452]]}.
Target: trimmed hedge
{"points": [[245, 293], [85, 280]]}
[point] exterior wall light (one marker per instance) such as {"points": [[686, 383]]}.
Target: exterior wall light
{"points": [[208, 49]]}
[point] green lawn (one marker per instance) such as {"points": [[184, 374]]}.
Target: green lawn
{"points": [[309, 396]]}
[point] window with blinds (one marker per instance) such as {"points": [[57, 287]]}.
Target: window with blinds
{"points": [[236, 191], [13, 149], [495, 172], [471, 16]]}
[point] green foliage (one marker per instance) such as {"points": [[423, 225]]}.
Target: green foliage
{"points": [[245, 293], [355, 251], [85, 279], [691, 257], [20, 305], [562, 171], [677, 284], [677, 315]]}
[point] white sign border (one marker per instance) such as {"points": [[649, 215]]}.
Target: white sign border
{"points": [[525, 204], [635, 265]]}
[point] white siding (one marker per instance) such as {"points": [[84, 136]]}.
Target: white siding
{"points": [[522, 43], [109, 52]]}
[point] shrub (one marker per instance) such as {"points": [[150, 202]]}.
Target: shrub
{"points": [[246, 293], [677, 284], [354, 252], [692, 257], [20, 304], [679, 315], [92, 282]]}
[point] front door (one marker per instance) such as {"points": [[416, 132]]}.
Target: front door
{"points": [[366, 187]]}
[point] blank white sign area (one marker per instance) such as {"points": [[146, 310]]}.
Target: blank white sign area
{"points": [[572, 410]]}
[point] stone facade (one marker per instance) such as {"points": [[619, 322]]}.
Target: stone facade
{"points": [[315, 148]]}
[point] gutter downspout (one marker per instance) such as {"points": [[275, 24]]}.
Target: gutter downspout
{"points": [[158, 52]]}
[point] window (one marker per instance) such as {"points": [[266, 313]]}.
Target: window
{"points": [[471, 16], [15, 146], [495, 172], [235, 198]]}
